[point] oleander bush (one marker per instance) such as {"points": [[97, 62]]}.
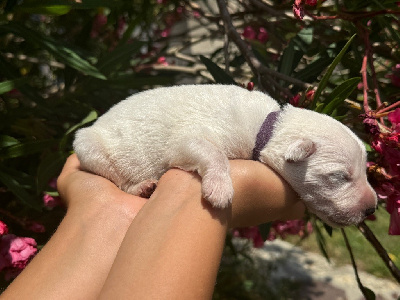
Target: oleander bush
{"points": [[65, 62]]}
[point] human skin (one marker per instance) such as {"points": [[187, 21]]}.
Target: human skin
{"points": [[171, 249]]}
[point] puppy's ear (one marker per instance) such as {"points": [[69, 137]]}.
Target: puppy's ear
{"points": [[299, 150]]}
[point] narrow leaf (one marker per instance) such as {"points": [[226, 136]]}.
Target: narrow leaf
{"points": [[6, 141], [339, 94], [15, 187], [49, 167], [219, 75], [320, 241], [264, 230], [89, 118], [314, 69], [287, 59], [119, 56], [26, 148], [9, 85], [56, 48], [324, 81], [328, 229]]}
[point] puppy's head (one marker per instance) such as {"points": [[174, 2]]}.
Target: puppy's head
{"points": [[325, 163]]}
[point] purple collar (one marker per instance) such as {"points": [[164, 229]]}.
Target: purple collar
{"points": [[265, 133]]}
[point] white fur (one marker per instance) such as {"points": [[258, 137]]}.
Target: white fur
{"points": [[200, 127]]}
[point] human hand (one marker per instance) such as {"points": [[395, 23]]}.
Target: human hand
{"points": [[82, 191]]}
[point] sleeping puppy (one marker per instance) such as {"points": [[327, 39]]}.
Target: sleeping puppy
{"points": [[200, 127]]}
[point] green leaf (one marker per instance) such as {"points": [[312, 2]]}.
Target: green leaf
{"points": [[287, 59], [6, 141], [314, 69], [325, 79], [339, 94], [320, 240], [89, 118], [26, 148], [56, 48], [219, 75], [56, 10], [83, 4], [9, 85], [15, 187], [118, 57], [368, 294], [49, 167], [264, 230], [328, 229], [306, 35]]}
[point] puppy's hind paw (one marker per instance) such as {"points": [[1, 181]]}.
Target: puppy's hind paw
{"points": [[218, 190], [143, 189]]}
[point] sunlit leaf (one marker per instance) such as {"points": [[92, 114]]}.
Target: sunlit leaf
{"points": [[339, 94], [325, 79], [89, 118], [6, 141]]}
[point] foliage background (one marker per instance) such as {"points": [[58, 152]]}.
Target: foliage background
{"points": [[64, 62]]}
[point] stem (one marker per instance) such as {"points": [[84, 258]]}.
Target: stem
{"points": [[390, 107], [369, 235], [353, 262], [365, 84]]}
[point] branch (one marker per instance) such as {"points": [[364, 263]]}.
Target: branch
{"points": [[369, 235], [257, 68]]}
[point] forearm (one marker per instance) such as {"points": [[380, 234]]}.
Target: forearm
{"points": [[173, 248], [75, 262]]}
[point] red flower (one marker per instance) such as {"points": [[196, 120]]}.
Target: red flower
{"points": [[394, 117], [251, 233], [311, 2], [3, 228], [260, 34]]}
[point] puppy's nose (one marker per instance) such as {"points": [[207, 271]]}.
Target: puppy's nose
{"points": [[369, 211]]}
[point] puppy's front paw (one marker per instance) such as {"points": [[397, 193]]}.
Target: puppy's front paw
{"points": [[218, 190]]}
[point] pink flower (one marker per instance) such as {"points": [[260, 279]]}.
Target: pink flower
{"points": [[35, 227], [3, 228], [99, 22], [162, 61], [298, 9], [50, 201], [252, 233], [249, 33], [311, 2], [15, 253], [394, 117], [295, 100], [262, 35]]}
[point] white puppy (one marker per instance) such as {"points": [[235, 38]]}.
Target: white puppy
{"points": [[200, 127]]}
